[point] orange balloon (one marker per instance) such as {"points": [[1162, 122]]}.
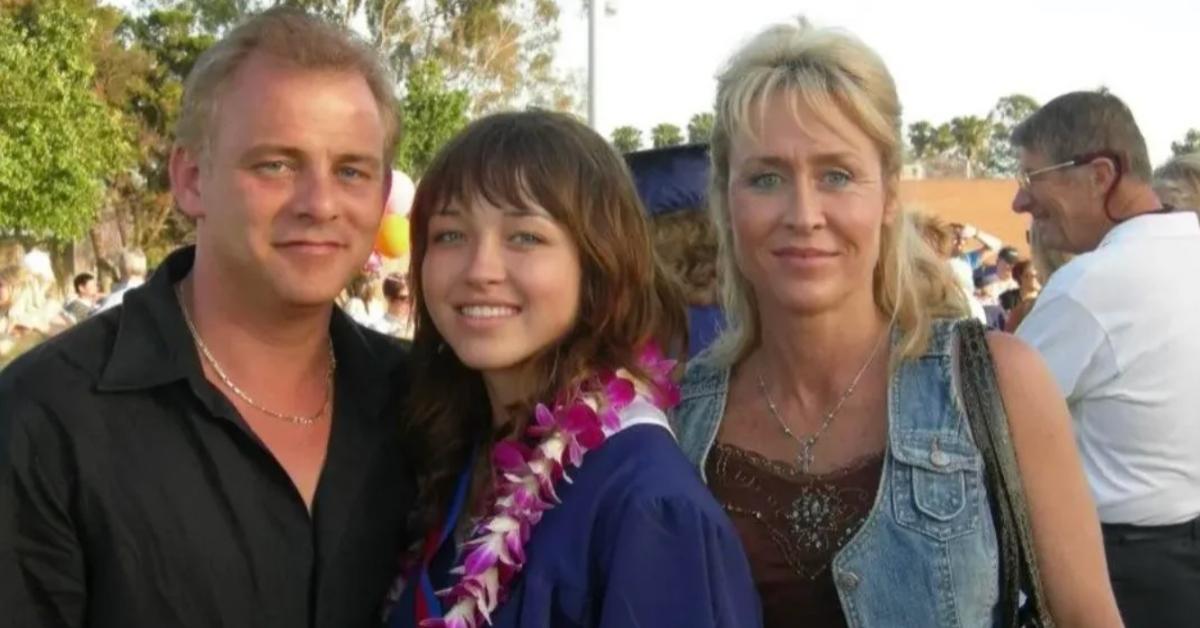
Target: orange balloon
{"points": [[392, 239]]}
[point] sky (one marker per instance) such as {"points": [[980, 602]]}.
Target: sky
{"points": [[658, 58]]}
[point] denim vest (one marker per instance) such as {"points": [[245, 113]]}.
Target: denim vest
{"points": [[926, 555]]}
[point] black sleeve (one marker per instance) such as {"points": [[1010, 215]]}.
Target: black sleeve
{"points": [[42, 582]]}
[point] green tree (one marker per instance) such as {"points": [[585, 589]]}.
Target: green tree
{"points": [[700, 128], [627, 139], [943, 139], [500, 51], [1011, 110], [59, 142], [971, 135], [666, 134], [431, 114], [142, 67], [921, 139], [1189, 144]]}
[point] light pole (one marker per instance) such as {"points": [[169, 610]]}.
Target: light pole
{"points": [[594, 14]]}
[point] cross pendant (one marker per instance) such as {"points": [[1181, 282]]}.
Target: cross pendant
{"points": [[804, 458]]}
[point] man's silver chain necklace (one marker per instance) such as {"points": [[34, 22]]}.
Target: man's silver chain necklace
{"points": [[212, 361], [804, 458]]}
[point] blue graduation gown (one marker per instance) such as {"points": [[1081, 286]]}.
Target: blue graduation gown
{"points": [[637, 541]]}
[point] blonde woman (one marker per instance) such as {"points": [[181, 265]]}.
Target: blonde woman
{"points": [[828, 418], [1177, 182]]}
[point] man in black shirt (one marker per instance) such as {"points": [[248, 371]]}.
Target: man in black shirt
{"points": [[224, 448]]}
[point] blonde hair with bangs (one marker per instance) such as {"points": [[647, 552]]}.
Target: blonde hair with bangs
{"points": [[823, 68]]}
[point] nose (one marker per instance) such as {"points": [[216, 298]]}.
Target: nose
{"points": [[804, 211], [1022, 201], [315, 196], [486, 264]]}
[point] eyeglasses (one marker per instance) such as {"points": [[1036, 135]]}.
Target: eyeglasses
{"points": [[1025, 179]]}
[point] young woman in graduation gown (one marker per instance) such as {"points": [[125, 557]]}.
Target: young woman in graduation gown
{"points": [[553, 493]]}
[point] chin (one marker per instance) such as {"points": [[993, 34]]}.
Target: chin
{"points": [[489, 360], [309, 294], [807, 296]]}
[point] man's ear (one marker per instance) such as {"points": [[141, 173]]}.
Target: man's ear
{"points": [[185, 181], [1103, 173]]}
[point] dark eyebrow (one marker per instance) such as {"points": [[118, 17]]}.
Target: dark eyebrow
{"points": [[261, 150], [525, 212], [770, 161]]}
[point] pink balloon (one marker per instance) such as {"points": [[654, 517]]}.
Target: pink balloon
{"points": [[401, 197], [374, 263]]}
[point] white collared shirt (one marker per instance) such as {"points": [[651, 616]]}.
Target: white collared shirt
{"points": [[1120, 329]]}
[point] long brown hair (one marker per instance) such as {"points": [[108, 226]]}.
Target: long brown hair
{"points": [[626, 297]]}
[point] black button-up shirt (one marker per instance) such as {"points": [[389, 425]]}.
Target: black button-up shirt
{"points": [[133, 495]]}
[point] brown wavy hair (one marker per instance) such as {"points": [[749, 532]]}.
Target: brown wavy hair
{"points": [[626, 297]]}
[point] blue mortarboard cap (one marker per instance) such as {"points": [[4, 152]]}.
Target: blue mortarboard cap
{"points": [[671, 179]]}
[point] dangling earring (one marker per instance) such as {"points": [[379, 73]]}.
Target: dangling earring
{"points": [[441, 347]]}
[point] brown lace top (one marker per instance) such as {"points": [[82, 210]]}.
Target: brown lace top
{"points": [[791, 526]]}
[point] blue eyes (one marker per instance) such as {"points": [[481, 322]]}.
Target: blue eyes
{"points": [[832, 179], [280, 167], [836, 178], [766, 181], [347, 172]]}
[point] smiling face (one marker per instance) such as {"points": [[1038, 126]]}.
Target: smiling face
{"points": [[502, 284], [807, 202], [1066, 205], [291, 191]]}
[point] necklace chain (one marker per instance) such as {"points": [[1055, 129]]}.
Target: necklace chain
{"points": [[212, 361], [804, 457]]}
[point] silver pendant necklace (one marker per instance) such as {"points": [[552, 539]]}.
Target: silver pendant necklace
{"points": [[216, 367], [805, 456]]}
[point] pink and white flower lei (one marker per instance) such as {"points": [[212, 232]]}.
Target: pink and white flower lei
{"points": [[525, 478]]}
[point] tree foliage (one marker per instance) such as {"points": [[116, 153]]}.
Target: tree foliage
{"points": [[666, 134], [500, 52], [627, 139], [59, 142], [971, 136], [699, 128], [971, 145], [1009, 111], [431, 115], [1189, 144], [142, 69]]}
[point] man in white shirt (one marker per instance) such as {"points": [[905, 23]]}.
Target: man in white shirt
{"points": [[1118, 326]]}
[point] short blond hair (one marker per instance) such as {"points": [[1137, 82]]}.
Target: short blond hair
{"points": [[1177, 182], [294, 37], [825, 68], [936, 231]]}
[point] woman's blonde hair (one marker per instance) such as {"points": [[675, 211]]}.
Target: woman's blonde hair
{"points": [[1177, 182], [822, 68]]}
